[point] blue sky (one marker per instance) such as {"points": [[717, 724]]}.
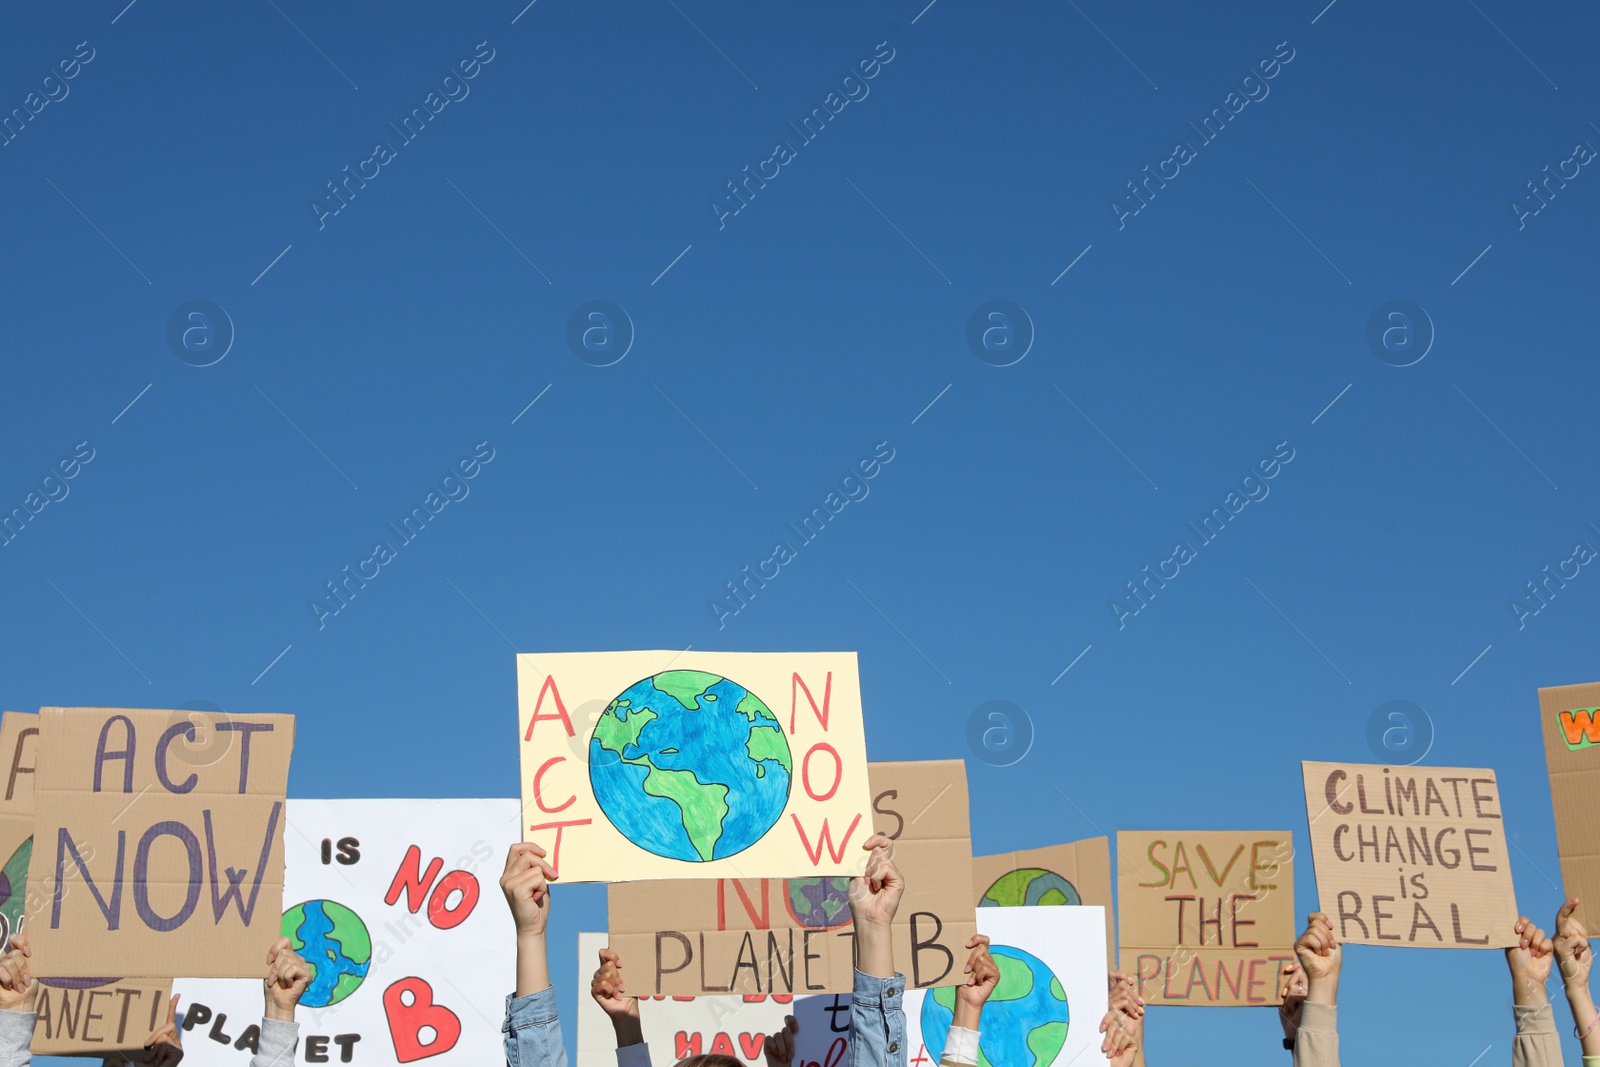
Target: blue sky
{"points": [[772, 349]]}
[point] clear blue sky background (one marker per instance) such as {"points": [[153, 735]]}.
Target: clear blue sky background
{"points": [[777, 351]]}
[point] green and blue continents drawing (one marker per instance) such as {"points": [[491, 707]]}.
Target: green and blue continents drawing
{"points": [[335, 944], [690, 765], [819, 903], [14, 889], [1029, 886], [1024, 1022]]}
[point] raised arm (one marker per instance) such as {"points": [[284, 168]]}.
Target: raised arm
{"points": [[608, 991], [982, 975], [878, 1023], [532, 1029], [1320, 956], [1123, 1023], [285, 982], [1537, 1043], [1576, 957]]}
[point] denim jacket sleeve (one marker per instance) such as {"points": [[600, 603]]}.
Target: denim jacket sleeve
{"points": [[532, 1031], [877, 1022]]}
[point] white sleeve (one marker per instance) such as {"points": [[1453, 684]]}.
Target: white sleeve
{"points": [[961, 1047], [16, 1030], [278, 1040]]}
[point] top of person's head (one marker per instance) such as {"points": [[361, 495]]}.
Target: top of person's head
{"points": [[712, 1059]]}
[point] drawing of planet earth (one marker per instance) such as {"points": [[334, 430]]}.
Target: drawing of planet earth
{"points": [[690, 766], [820, 903], [1024, 1022], [1029, 885], [335, 944]]}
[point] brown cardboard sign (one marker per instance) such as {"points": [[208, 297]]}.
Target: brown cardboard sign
{"points": [[99, 1016], [785, 936], [158, 841], [1570, 719], [19, 745], [1413, 857], [1207, 916], [1078, 872]]}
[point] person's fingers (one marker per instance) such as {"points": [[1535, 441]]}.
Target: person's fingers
{"points": [[876, 841], [172, 1010], [19, 941], [980, 939], [278, 947], [791, 1024]]}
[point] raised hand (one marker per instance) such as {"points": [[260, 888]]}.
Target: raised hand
{"points": [[875, 894], [1529, 960], [983, 974], [608, 990], [1320, 955], [1123, 1022], [1292, 992], [525, 883], [166, 1043], [779, 1047], [874, 898], [286, 980], [18, 990], [1571, 945]]}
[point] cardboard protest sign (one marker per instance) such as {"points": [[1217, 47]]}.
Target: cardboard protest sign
{"points": [[642, 765], [1049, 1001], [76, 1016], [160, 841], [19, 745], [1207, 917], [1078, 872], [1570, 717], [737, 1026], [395, 905], [771, 935], [1411, 856], [1046, 1008], [99, 1016]]}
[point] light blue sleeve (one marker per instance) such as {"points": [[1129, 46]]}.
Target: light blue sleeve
{"points": [[532, 1031], [877, 1022]]}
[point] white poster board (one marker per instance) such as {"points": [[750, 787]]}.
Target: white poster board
{"points": [[1053, 989], [397, 905]]}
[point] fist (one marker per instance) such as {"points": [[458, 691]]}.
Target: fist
{"points": [[286, 980], [526, 884]]}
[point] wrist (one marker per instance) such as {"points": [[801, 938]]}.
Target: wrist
{"points": [[628, 1030], [1325, 991], [967, 1016], [283, 1015], [529, 935]]}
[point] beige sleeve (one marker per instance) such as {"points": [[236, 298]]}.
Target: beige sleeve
{"points": [[1538, 1042], [1316, 1043]]}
